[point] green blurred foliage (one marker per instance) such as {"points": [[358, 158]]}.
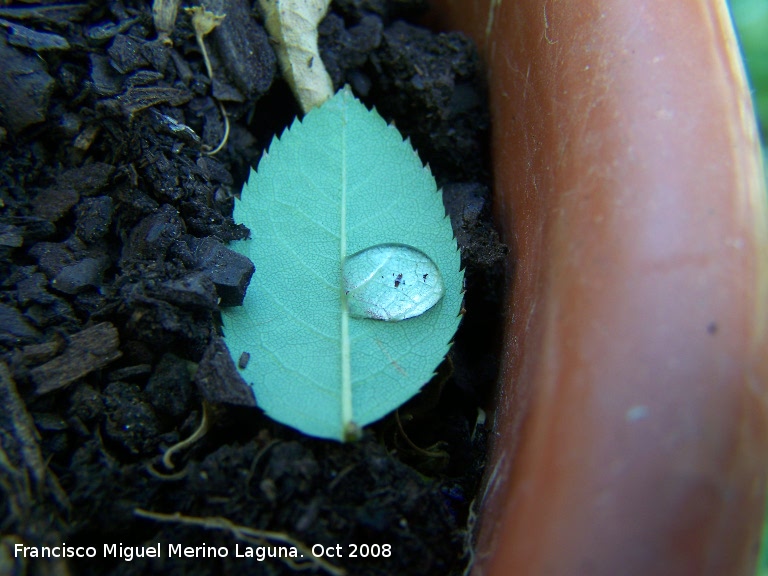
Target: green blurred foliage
{"points": [[751, 19], [762, 563]]}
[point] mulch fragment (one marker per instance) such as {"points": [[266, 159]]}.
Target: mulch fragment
{"points": [[218, 380], [86, 351], [14, 328], [94, 215], [241, 50], [53, 203], [25, 88], [230, 271], [24, 37]]}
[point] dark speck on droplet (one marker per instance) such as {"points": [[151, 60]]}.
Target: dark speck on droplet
{"points": [[398, 280], [243, 361]]}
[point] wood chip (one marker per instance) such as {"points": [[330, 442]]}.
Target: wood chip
{"points": [[88, 350]]}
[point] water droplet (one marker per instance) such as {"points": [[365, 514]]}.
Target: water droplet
{"points": [[391, 282]]}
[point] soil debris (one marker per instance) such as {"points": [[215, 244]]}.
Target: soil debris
{"points": [[25, 88]]}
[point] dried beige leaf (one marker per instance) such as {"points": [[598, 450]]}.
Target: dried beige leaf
{"points": [[164, 14], [292, 24]]}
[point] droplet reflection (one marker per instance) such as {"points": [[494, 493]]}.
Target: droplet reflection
{"points": [[391, 282]]}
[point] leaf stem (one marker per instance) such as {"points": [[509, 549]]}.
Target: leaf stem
{"points": [[204, 22]]}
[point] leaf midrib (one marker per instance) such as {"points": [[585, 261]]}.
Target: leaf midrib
{"points": [[347, 422]]}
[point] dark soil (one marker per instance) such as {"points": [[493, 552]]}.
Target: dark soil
{"points": [[114, 226]]}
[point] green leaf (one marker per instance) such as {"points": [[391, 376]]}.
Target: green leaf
{"points": [[339, 207]]}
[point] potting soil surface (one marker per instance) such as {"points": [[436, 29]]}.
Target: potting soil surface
{"points": [[114, 225]]}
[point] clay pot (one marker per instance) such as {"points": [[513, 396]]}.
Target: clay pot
{"points": [[631, 426]]}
